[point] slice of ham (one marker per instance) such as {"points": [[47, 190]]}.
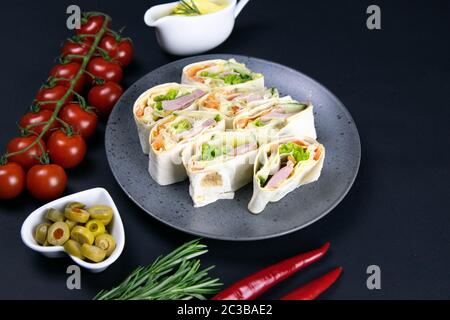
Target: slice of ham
{"points": [[253, 97], [281, 175], [182, 102], [275, 115], [243, 149], [195, 130], [233, 96]]}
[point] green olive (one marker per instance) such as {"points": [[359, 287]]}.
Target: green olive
{"points": [[40, 233], [73, 248], [106, 242], [82, 235], [96, 227], [93, 253], [78, 205], [102, 213], [76, 215], [58, 233], [54, 215], [71, 223]]}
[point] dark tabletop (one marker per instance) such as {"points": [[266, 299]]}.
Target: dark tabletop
{"points": [[395, 83]]}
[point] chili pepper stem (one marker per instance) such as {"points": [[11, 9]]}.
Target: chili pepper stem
{"points": [[70, 89]]}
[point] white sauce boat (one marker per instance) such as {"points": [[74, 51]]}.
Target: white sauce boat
{"points": [[190, 35]]}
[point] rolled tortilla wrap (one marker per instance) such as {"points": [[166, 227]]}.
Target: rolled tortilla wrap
{"points": [[280, 117], [222, 73], [219, 164], [232, 102], [282, 166], [171, 135], [159, 102]]}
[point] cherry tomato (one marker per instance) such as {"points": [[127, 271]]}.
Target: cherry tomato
{"points": [[54, 93], [72, 47], [12, 180], [103, 97], [119, 49], [28, 158], [68, 70], [82, 121], [66, 150], [46, 181], [91, 25], [30, 120], [106, 70]]}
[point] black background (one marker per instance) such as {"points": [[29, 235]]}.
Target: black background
{"points": [[395, 83]]}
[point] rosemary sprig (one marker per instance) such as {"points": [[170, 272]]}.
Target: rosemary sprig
{"points": [[187, 8], [176, 276]]}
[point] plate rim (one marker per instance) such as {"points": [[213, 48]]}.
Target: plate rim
{"points": [[252, 238]]}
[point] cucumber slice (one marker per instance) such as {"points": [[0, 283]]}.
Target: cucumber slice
{"points": [[293, 107]]}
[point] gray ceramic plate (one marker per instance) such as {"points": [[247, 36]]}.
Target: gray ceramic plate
{"points": [[230, 219]]}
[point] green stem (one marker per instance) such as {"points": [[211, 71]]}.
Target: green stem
{"points": [[35, 124], [46, 102], [104, 54], [90, 74], [70, 90], [54, 79], [66, 126], [41, 147], [69, 57], [80, 99]]}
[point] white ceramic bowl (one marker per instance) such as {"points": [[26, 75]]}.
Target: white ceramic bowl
{"points": [[188, 35], [89, 197]]}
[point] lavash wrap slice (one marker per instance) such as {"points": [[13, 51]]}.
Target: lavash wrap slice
{"points": [[218, 164], [222, 73], [232, 102], [147, 111], [271, 164], [279, 117], [171, 135]]}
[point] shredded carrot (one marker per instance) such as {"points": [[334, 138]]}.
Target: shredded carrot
{"points": [[300, 143], [158, 143], [235, 109], [211, 102], [317, 154], [243, 122], [195, 69], [163, 125], [140, 112]]}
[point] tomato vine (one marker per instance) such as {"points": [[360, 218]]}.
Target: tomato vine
{"points": [[93, 49]]}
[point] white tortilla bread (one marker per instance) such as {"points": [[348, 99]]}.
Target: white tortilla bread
{"points": [[304, 172]]}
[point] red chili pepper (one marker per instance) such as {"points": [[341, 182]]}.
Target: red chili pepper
{"points": [[254, 285], [312, 290]]}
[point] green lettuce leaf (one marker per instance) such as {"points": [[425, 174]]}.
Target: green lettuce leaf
{"points": [[210, 152], [258, 123], [182, 125], [170, 95], [298, 152]]}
